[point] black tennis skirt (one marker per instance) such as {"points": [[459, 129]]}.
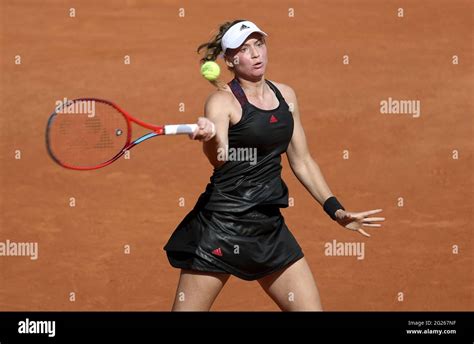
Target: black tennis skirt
{"points": [[249, 244]]}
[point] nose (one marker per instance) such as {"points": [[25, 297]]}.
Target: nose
{"points": [[254, 52]]}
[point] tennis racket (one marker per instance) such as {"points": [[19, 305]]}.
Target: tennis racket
{"points": [[90, 133]]}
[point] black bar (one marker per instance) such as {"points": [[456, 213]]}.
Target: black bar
{"points": [[338, 325]]}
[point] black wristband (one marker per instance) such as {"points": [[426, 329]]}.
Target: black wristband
{"points": [[331, 205]]}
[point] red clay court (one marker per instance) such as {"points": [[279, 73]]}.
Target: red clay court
{"points": [[418, 169]]}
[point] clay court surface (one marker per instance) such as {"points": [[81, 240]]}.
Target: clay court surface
{"points": [[136, 202]]}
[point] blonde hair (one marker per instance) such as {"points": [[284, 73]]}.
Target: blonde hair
{"points": [[213, 48]]}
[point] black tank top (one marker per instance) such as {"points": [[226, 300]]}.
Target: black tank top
{"points": [[251, 176]]}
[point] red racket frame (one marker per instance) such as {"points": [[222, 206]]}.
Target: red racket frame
{"points": [[157, 130]]}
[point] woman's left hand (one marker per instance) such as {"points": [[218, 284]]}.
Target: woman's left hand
{"points": [[355, 221]]}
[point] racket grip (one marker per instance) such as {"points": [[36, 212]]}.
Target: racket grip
{"points": [[177, 129]]}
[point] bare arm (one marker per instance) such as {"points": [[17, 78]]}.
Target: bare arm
{"points": [[217, 113], [309, 174]]}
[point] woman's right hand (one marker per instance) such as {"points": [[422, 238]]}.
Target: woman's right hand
{"points": [[205, 131]]}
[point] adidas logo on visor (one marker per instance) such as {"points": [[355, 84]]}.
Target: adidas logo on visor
{"points": [[243, 27]]}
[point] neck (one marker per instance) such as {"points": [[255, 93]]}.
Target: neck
{"points": [[253, 88]]}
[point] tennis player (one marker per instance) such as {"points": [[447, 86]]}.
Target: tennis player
{"points": [[236, 227]]}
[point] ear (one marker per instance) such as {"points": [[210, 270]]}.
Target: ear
{"points": [[231, 58], [229, 61]]}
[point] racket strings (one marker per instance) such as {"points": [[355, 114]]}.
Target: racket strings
{"points": [[80, 138]]}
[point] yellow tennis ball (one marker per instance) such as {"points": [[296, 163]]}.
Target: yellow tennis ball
{"points": [[210, 70]]}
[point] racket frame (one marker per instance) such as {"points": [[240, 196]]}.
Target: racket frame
{"points": [[157, 130]]}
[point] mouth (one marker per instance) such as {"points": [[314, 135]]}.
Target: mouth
{"points": [[258, 65]]}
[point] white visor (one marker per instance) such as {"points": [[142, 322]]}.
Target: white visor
{"points": [[236, 35]]}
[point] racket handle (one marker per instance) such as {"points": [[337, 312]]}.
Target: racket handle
{"points": [[177, 129]]}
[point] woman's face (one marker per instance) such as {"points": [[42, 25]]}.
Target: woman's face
{"points": [[250, 59]]}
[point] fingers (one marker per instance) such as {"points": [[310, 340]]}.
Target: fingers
{"points": [[198, 131], [208, 132], [201, 122], [203, 126], [368, 219], [193, 135], [370, 212], [205, 131]]}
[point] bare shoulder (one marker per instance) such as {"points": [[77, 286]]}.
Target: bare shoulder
{"points": [[220, 105], [219, 98], [287, 92]]}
